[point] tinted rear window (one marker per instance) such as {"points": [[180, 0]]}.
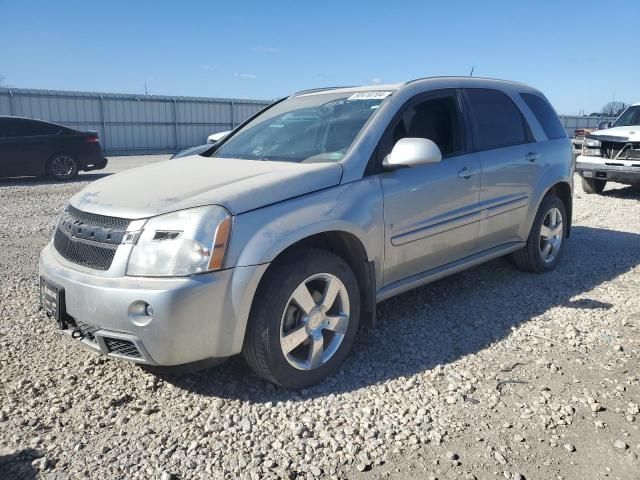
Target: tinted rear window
{"points": [[22, 127], [43, 128], [545, 115], [497, 120]]}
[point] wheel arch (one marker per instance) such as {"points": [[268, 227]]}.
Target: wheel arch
{"points": [[349, 247], [563, 191], [559, 185]]}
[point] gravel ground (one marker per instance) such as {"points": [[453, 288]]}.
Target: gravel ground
{"points": [[491, 373]]}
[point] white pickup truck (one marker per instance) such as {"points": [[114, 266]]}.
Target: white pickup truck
{"points": [[612, 154]]}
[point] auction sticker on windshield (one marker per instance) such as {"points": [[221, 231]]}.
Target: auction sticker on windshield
{"points": [[369, 96]]}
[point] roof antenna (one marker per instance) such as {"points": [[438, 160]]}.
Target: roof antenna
{"points": [[472, 68]]}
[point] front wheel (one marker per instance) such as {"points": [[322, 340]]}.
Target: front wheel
{"points": [[592, 185], [62, 166], [546, 239], [303, 320]]}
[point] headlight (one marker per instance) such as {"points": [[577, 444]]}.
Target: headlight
{"points": [[592, 142], [181, 243]]}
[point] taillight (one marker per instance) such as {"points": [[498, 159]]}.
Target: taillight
{"points": [[93, 139]]}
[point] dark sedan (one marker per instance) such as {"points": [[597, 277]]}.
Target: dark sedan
{"points": [[35, 147]]}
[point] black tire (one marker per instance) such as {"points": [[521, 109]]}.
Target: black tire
{"points": [[530, 258], [63, 167], [593, 185], [262, 344]]}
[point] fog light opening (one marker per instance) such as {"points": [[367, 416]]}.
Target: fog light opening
{"points": [[140, 313]]}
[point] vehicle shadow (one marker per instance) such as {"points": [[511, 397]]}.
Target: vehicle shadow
{"points": [[18, 465], [38, 181], [446, 320], [623, 192]]}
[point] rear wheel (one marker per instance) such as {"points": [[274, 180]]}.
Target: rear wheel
{"points": [[304, 319], [62, 166], [592, 185], [546, 239]]}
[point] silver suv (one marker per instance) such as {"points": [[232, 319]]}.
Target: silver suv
{"points": [[278, 242]]}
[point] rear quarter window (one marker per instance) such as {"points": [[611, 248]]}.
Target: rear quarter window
{"points": [[43, 128], [496, 120], [545, 114]]}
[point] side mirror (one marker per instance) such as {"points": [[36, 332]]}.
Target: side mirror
{"points": [[604, 125], [411, 152]]}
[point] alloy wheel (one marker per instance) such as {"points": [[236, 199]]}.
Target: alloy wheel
{"points": [[314, 321], [551, 235], [63, 167]]}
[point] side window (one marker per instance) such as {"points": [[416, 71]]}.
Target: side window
{"points": [[545, 115], [13, 127], [41, 128], [436, 119], [21, 127], [496, 119], [26, 128]]}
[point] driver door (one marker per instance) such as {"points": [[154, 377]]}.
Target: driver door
{"points": [[431, 211]]}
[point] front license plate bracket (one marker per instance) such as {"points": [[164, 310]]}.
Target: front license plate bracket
{"points": [[52, 301]]}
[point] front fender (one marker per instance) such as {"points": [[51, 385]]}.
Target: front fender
{"points": [[259, 236]]}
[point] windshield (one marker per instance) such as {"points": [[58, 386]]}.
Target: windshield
{"points": [[309, 128], [631, 116]]}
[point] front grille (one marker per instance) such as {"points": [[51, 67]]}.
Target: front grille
{"points": [[113, 223], [84, 252], [88, 239], [122, 347], [612, 150]]}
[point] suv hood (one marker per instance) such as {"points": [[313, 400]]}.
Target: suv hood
{"points": [[237, 185], [629, 133]]}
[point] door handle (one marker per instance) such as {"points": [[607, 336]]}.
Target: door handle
{"points": [[532, 156], [467, 172]]}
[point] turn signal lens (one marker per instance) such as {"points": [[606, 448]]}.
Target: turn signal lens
{"points": [[220, 242]]}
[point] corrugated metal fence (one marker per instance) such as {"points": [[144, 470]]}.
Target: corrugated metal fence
{"points": [[129, 124], [573, 122]]}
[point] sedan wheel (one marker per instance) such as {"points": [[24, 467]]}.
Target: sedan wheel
{"points": [[63, 167]]}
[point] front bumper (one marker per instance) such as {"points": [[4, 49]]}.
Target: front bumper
{"points": [[194, 318], [622, 171]]}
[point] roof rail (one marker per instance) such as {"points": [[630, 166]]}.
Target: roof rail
{"points": [[462, 76], [311, 90]]}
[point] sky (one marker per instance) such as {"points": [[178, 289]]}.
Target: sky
{"points": [[581, 54]]}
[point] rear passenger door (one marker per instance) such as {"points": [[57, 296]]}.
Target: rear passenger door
{"points": [[509, 161], [25, 145], [430, 211], [39, 145]]}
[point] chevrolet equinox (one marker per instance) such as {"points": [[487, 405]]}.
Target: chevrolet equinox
{"points": [[279, 240]]}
